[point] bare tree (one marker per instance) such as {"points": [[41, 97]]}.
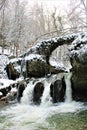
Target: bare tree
{"points": [[77, 15], [57, 19], [17, 26], [3, 3], [84, 3], [2, 8]]}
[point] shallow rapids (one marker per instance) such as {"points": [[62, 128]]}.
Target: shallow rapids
{"points": [[31, 117]]}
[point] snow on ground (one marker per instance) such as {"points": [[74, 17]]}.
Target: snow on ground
{"points": [[5, 83]]}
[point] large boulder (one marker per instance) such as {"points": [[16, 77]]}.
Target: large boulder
{"points": [[37, 68], [12, 72], [21, 88], [46, 47], [8, 90], [33, 65], [5, 86], [78, 60], [13, 68], [35, 61]]}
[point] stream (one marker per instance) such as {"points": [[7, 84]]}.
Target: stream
{"points": [[67, 115], [62, 116]]}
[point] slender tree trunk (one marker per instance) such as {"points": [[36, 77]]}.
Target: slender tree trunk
{"points": [[2, 30]]}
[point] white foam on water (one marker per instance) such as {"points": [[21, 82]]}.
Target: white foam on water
{"points": [[27, 116], [68, 94], [46, 99], [28, 93]]}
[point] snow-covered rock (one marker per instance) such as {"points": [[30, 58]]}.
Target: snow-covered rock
{"points": [[78, 58], [34, 57], [13, 68], [9, 89], [5, 83], [36, 62]]}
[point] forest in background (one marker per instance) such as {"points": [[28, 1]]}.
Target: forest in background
{"points": [[21, 26]]}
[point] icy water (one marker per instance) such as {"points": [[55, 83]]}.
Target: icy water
{"points": [[68, 115], [63, 116]]}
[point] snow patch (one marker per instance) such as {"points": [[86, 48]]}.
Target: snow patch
{"points": [[34, 56], [15, 60], [79, 48], [13, 90], [5, 83]]}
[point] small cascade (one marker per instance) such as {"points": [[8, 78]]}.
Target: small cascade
{"points": [[33, 92], [68, 94], [28, 93], [46, 99]]}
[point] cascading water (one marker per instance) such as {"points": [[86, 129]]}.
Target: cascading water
{"points": [[46, 98], [28, 93], [27, 116], [68, 94]]}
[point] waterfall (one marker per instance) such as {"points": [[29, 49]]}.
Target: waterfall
{"points": [[28, 93], [68, 94], [46, 98]]}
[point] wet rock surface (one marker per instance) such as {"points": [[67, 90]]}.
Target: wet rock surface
{"points": [[57, 91], [78, 58], [37, 92]]}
